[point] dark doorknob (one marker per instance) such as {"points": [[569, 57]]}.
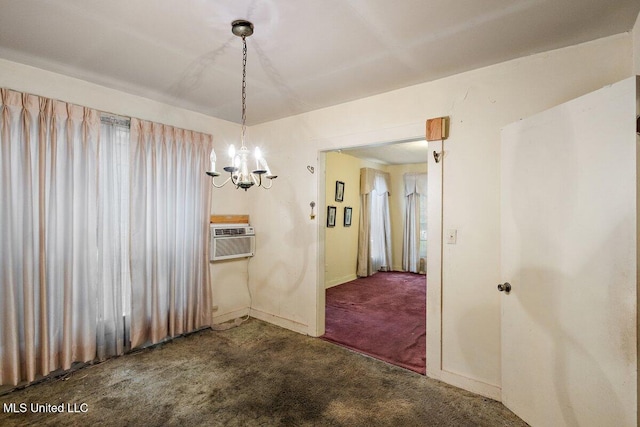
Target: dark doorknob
{"points": [[506, 287]]}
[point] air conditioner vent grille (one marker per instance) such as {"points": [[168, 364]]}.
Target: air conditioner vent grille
{"points": [[230, 231], [237, 247]]}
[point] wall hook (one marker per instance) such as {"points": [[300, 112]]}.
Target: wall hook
{"points": [[311, 169], [437, 156], [313, 205]]}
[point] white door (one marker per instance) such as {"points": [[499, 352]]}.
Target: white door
{"points": [[569, 229]]}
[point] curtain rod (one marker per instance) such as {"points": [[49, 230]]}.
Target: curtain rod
{"points": [[112, 119]]}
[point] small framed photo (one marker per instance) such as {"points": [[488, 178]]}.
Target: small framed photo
{"points": [[347, 216], [339, 191], [331, 216]]}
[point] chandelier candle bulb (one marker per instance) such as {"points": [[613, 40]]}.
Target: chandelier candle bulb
{"points": [[212, 158], [265, 166], [258, 156]]}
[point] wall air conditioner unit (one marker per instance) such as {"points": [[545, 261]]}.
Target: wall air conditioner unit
{"points": [[231, 241]]}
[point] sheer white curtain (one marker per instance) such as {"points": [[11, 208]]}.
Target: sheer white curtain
{"points": [[415, 190], [169, 226], [49, 263], [114, 279], [374, 235]]}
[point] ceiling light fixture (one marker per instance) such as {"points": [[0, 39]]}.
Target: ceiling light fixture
{"points": [[239, 174]]}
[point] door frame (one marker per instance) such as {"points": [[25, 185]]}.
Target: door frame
{"points": [[434, 226]]}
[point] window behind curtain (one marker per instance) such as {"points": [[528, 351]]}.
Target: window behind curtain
{"points": [[113, 233], [374, 234], [380, 230]]}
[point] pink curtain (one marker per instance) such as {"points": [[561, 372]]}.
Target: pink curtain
{"points": [[92, 221], [48, 219], [171, 293]]}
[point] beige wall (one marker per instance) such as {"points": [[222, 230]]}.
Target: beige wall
{"points": [[341, 243], [285, 279]]}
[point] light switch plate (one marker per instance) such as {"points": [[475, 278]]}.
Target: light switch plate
{"points": [[452, 236]]}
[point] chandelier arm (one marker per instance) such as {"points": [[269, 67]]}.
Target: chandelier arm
{"points": [[213, 181], [270, 185]]}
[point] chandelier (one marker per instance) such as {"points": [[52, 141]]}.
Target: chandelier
{"points": [[238, 170]]}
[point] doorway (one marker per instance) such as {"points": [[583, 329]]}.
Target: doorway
{"points": [[339, 241]]}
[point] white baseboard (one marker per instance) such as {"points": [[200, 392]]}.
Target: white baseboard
{"points": [[340, 281], [221, 318], [292, 325], [483, 389]]}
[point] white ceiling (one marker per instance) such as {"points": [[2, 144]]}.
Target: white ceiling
{"points": [[304, 54]]}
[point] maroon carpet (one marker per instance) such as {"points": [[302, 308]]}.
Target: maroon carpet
{"points": [[383, 316]]}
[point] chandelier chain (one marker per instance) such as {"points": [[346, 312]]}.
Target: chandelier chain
{"points": [[244, 87]]}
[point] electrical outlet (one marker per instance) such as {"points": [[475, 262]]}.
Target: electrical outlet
{"points": [[452, 236]]}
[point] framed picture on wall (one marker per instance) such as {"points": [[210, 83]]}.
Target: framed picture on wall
{"points": [[331, 216], [339, 191], [347, 216]]}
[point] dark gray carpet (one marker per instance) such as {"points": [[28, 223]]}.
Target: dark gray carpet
{"points": [[253, 375]]}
